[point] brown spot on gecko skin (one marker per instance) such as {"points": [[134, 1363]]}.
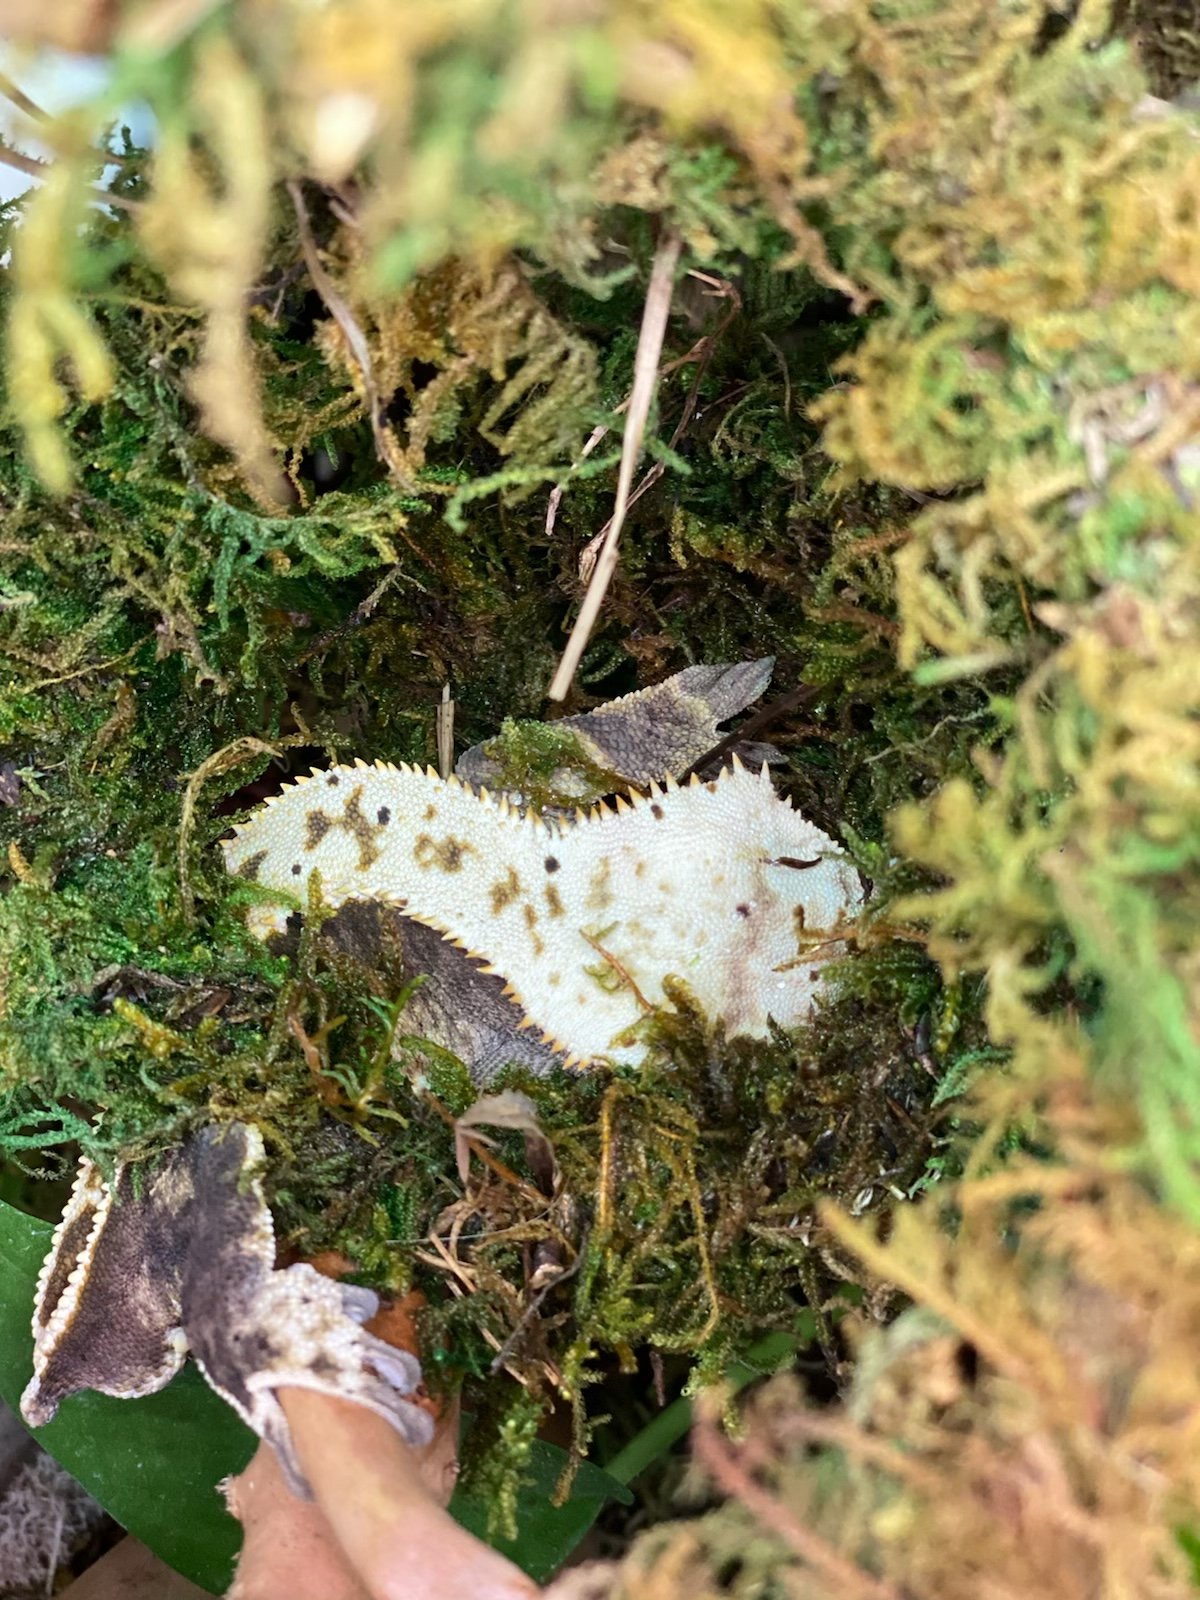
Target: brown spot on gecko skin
{"points": [[357, 825], [445, 853], [430, 812], [639, 869], [793, 861], [316, 826], [553, 901], [656, 810], [531, 919], [249, 867], [551, 863], [296, 869], [383, 816], [318, 823], [554, 979], [333, 780], [505, 891], [599, 896], [743, 910], [798, 918]]}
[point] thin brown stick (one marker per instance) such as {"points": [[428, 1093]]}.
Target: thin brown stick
{"points": [[359, 615], [482, 1152], [645, 375], [865, 1447], [622, 972], [35, 167], [14, 92], [701, 354], [598, 432], [445, 732], [804, 695], [846, 1579], [11, 90], [783, 367], [356, 339]]}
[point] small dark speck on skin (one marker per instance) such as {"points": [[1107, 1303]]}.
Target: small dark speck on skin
{"points": [[295, 869], [383, 815], [551, 864], [743, 911], [792, 861], [656, 810], [333, 780]]}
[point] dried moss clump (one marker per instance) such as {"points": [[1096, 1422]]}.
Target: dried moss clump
{"points": [[1028, 1428]]}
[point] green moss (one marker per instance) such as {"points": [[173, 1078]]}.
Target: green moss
{"points": [[929, 385]]}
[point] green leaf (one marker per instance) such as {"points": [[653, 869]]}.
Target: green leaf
{"points": [[153, 1464], [546, 1534]]}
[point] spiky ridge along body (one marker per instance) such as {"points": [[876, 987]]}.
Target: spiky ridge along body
{"points": [[721, 884]]}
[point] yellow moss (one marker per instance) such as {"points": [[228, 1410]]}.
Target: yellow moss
{"points": [[46, 324], [1031, 1427], [205, 223], [470, 323]]}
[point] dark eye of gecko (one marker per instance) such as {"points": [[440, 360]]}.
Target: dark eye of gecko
{"points": [[791, 861], [551, 863], [383, 814]]}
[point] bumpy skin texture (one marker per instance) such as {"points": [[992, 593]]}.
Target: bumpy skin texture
{"points": [[142, 1273], [720, 884]]}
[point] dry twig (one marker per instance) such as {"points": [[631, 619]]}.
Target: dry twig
{"points": [[645, 377], [843, 1576]]}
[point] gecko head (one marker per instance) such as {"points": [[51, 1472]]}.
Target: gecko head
{"points": [[798, 864]]}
